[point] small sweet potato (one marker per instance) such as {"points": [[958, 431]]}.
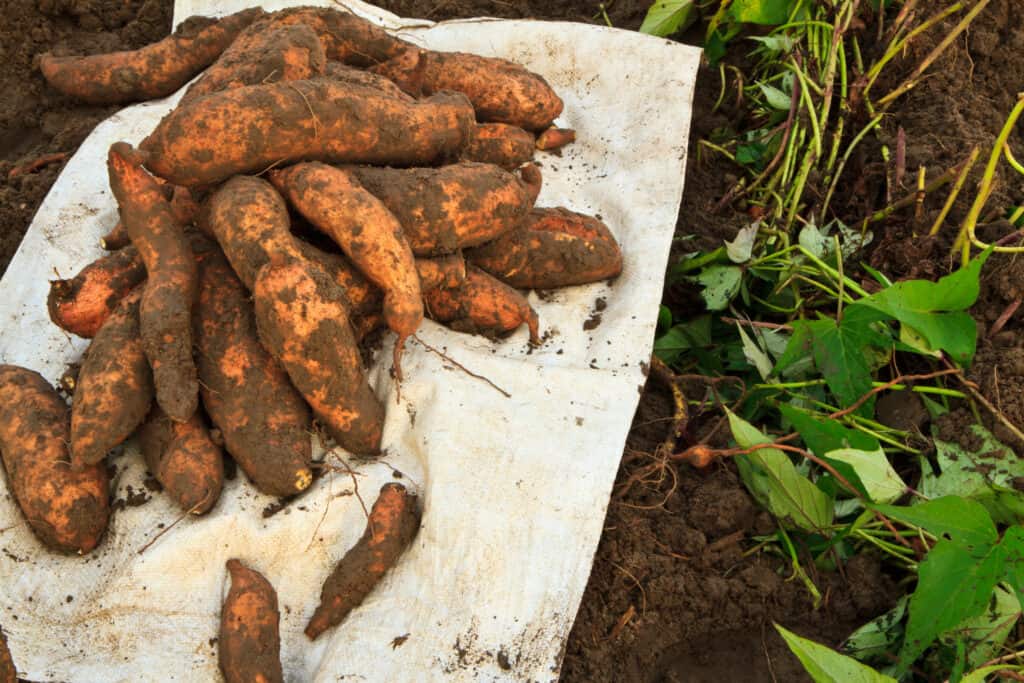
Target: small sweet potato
{"points": [[264, 421], [114, 388], [67, 510], [252, 128], [501, 91], [555, 138], [249, 643], [117, 238], [154, 71], [552, 248], [445, 209], [391, 528], [8, 674], [82, 304], [499, 144], [265, 52], [303, 322], [165, 313], [184, 459], [482, 305], [370, 235]]}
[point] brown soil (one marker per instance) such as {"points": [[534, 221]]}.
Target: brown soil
{"points": [[672, 596]]}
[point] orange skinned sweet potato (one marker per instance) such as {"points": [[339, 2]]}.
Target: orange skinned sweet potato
{"points": [[117, 238], [165, 313], [362, 296], [184, 459], [264, 421], [82, 304], [154, 71], [183, 205], [8, 674], [501, 91], [370, 235], [303, 322], [441, 271], [252, 128], [358, 78], [391, 528], [67, 510], [445, 209], [499, 144], [555, 138], [265, 52], [482, 305], [552, 248], [249, 643], [114, 387], [347, 38]]}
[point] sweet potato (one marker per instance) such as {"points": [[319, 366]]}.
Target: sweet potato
{"points": [[358, 78], [82, 304], [114, 388], [67, 510], [183, 206], [8, 674], [263, 419], [501, 91], [347, 38], [499, 144], [117, 238], [154, 71], [165, 313], [555, 138], [303, 323], [441, 271], [448, 208], [265, 52], [184, 459], [370, 235], [249, 643], [249, 129], [391, 528], [552, 248], [360, 293], [482, 305]]}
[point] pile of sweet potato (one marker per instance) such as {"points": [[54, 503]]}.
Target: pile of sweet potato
{"points": [[320, 180]]}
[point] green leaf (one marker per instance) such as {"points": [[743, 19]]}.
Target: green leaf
{"points": [[721, 283], [879, 636], [798, 350], [664, 317], [814, 240], [754, 354], [779, 42], [874, 471], [822, 435], [981, 675], [936, 309], [742, 245], [985, 634], [1013, 552], [691, 334], [964, 521], [825, 665], [751, 154], [767, 12], [666, 17], [774, 482], [775, 98]]}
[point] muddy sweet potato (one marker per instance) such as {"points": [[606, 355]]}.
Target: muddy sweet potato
{"points": [[249, 642], [441, 271], [67, 510], [358, 78], [370, 235], [165, 312], [391, 528], [153, 71], [184, 459], [250, 129], [183, 206], [552, 248], [303, 322], [8, 674], [555, 138], [499, 144], [501, 91], [117, 238], [445, 209], [264, 421], [481, 305], [114, 388], [265, 52], [82, 304], [347, 38]]}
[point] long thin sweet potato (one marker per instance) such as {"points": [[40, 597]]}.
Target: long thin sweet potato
{"points": [[347, 38], [265, 52], [249, 129], [183, 206], [82, 304], [165, 313], [552, 248], [184, 459], [501, 91], [499, 144], [370, 235], [114, 388], [391, 528], [482, 305], [445, 209], [154, 71], [358, 78], [302, 321], [249, 643], [263, 419], [8, 674], [67, 510]]}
